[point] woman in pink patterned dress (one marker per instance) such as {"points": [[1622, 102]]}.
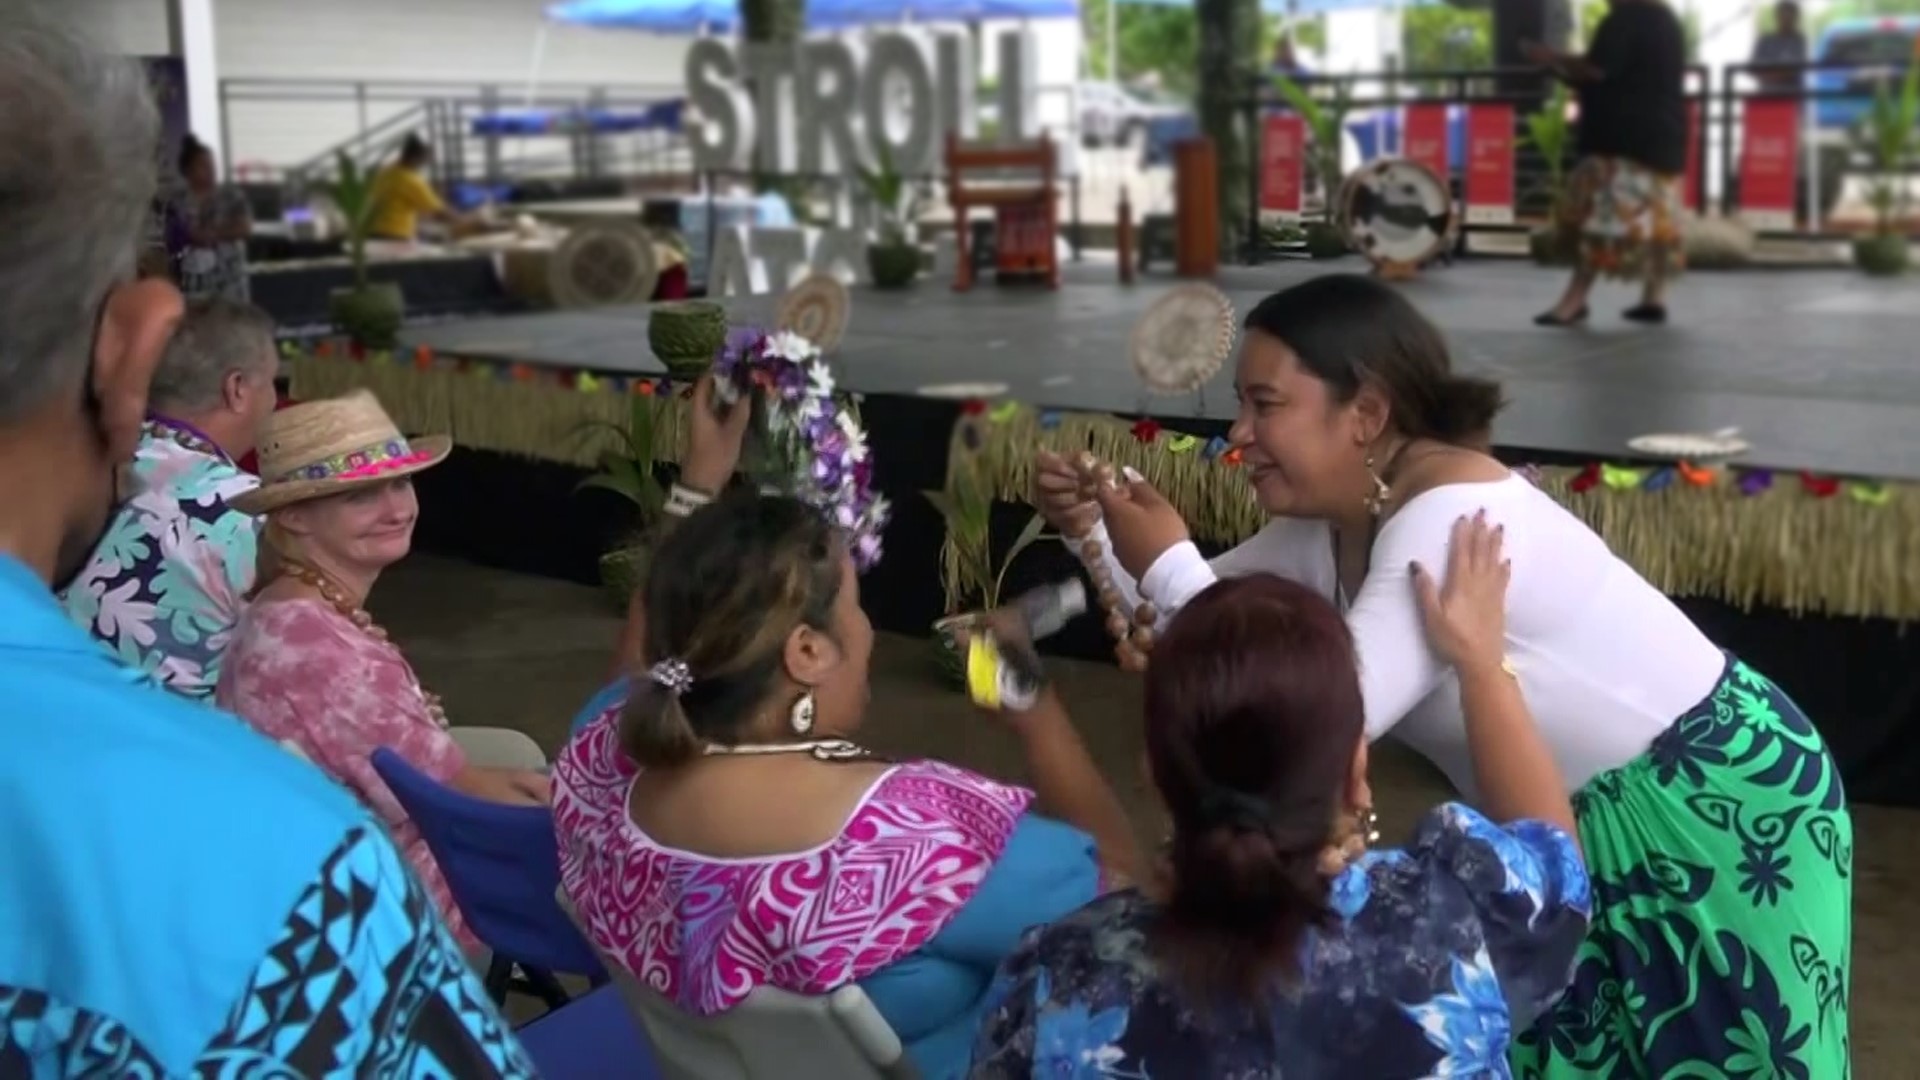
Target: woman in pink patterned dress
{"points": [[308, 668], [720, 831]]}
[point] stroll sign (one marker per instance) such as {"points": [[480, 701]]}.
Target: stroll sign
{"points": [[829, 108]]}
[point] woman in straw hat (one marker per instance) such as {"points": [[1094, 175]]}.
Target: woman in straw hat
{"points": [[307, 665]]}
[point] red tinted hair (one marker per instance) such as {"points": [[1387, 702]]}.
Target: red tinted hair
{"points": [[1253, 716]]}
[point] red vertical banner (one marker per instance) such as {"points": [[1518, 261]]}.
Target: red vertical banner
{"points": [[1490, 164], [1283, 159], [1425, 138], [1769, 159], [1691, 196]]}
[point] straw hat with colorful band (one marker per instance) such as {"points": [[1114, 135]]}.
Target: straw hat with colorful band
{"points": [[321, 448]]}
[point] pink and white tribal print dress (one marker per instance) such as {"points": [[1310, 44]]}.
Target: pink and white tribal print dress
{"points": [[705, 933]]}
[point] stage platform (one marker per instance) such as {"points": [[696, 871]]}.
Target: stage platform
{"points": [[1819, 371]]}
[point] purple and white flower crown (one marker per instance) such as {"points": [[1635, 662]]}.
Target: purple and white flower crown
{"points": [[818, 450]]}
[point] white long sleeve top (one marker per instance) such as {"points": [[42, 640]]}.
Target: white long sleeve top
{"points": [[1606, 662]]}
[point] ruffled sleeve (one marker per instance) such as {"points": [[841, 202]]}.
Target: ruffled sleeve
{"points": [[1528, 886]]}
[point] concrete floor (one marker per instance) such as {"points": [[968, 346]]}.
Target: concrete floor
{"points": [[526, 652]]}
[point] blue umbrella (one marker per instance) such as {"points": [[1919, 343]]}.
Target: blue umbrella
{"points": [[1302, 7], [722, 16], [659, 16]]}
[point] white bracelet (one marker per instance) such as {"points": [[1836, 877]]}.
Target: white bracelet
{"points": [[683, 500]]}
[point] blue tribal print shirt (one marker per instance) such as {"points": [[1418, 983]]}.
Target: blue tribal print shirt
{"points": [[1442, 951], [165, 587], [181, 898]]}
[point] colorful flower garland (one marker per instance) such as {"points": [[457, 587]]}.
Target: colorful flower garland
{"points": [[819, 449]]}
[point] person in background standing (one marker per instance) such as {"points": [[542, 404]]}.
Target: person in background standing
{"points": [[1624, 198], [1782, 51], [402, 196], [217, 222], [178, 896], [165, 587]]}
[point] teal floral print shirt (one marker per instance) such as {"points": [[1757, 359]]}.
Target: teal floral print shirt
{"points": [[166, 585], [1436, 955]]}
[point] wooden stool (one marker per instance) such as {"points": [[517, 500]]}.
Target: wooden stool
{"points": [[1026, 211]]}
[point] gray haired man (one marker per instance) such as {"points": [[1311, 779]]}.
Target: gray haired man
{"points": [[178, 896], [165, 587]]}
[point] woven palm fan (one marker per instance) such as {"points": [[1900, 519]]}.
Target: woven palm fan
{"points": [[1183, 339], [817, 309], [602, 264]]}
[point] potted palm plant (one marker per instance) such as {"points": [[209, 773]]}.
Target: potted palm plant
{"points": [[970, 574], [1549, 132], [894, 257], [626, 469], [1326, 122], [369, 312], [1888, 138]]}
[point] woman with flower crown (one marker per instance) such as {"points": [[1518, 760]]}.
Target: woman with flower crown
{"points": [[720, 828]]}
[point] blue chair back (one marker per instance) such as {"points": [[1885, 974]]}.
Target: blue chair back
{"points": [[502, 865]]}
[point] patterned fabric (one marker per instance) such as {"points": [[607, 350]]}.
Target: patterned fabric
{"points": [[1722, 863], [218, 269], [367, 461], [705, 933], [170, 577], [1442, 950], [302, 674], [147, 929], [1627, 218]]}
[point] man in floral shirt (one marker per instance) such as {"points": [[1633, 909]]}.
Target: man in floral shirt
{"points": [[167, 583]]}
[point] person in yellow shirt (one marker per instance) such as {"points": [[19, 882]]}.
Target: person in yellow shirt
{"points": [[402, 196]]}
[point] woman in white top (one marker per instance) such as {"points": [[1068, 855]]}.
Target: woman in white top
{"points": [[1713, 820]]}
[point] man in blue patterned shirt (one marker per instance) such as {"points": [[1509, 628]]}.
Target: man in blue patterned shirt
{"points": [[165, 587], [178, 897]]}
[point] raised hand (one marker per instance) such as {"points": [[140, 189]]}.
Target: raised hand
{"points": [[1056, 494], [1467, 616], [1141, 523], [715, 434]]}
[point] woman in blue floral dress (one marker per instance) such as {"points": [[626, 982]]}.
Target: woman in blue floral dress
{"points": [[1276, 943]]}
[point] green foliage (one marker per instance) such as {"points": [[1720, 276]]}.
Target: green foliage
{"points": [[1149, 38], [1439, 37], [351, 190], [893, 196], [1549, 131], [968, 570], [1888, 138], [1325, 116], [1848, 9], [627, 470]]}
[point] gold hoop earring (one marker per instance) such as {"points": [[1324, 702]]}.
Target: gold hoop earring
{"points": [[1376, 500], [801, 716]]}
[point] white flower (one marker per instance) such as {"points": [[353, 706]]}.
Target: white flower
{"points": [[856, 438], [791, 346]]}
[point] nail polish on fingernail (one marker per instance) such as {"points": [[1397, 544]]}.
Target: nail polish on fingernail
{"points": [[1132, 474]]}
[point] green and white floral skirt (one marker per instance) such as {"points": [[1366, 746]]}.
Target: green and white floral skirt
{"points": [[1627, 219], [1722, 863]]}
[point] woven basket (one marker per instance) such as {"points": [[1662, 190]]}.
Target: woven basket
{"points": [[686, 335], [622, 571]]}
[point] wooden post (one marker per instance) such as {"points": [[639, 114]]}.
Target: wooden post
{"points": [[1123, 238], [1196, 208]]}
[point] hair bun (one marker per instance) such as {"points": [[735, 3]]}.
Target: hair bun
{"points": [[1468, 405]]}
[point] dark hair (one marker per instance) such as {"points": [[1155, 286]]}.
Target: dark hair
{"points": [[1349, 330], [1253, 716], [414, 150], [191, 150], [725, 589]]}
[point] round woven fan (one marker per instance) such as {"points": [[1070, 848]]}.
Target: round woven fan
{"points": [[817, 310], [605, 264], [1692, 446], [1183, 339]]}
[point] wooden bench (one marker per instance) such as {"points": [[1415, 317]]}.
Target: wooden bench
{"points": [[1026, 208]]}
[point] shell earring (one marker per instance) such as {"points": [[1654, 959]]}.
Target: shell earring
{"points": [[1376, 500], [800, 717]]}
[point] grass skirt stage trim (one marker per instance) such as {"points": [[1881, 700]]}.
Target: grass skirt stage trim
{"points": [[534, 417], [1782, 547], [1722, 905]]}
